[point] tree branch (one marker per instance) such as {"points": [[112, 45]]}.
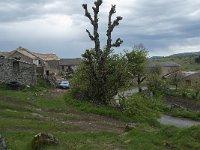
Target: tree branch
{"points": [[111, 26], [90, 35], [117, 43], [87, 14]]}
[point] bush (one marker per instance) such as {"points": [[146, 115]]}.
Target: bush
{"points": [[79, 83], [99, 86], [141, 108], [157, 85], [41, 85]]}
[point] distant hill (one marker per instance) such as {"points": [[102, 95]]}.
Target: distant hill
{"points": [[185, 54], [186, 60], [156, 57]]}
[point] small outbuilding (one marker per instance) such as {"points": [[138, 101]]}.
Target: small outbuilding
{"points": [[191, 77], [14, 70]]}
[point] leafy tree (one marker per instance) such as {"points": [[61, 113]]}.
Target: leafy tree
{"points": [[197, 60], [157, 70], [176, 78], [103, 70], [196, 89], [155, 83], [136, 64]]}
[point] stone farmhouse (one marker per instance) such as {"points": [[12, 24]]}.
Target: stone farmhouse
{"points": [[46, 65], [13, 70], [191, 78]]}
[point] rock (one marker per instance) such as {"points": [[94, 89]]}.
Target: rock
{"points": [[176, 106], [127, 141], [43, 139], [3, 143], [130, 126]]}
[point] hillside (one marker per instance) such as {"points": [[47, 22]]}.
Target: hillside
{"points": [[186, 60]]}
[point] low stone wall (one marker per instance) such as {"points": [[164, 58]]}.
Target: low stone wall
{"points": [[12, 70]]}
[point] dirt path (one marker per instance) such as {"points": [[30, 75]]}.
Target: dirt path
{"points": [[178, 122], [85, 121]]}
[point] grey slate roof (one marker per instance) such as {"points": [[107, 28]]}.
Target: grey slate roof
{"points": [[70, 62], [162, 64]]}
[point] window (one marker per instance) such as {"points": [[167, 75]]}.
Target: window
{"points": [[63, 68], [16, 66]]}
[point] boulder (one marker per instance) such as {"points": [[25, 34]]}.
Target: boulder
{"points": [[43, 139], [176, 106], [130, 126], [3, 143]]}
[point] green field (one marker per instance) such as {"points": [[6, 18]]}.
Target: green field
{"points": [[81, 125]]}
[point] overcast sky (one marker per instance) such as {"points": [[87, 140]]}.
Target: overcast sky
{"points": [[58, 26]]}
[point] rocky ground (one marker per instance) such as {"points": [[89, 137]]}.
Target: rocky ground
{"points": [[186, 103]]}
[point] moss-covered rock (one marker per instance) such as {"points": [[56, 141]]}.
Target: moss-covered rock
{"points": [[43, 139]]}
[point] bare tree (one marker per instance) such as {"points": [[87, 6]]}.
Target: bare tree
{"points": [[102, 69]]}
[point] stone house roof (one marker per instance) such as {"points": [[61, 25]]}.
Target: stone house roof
{"points": [[47, 56], [162, 64], [70, 62], [5, 54], [24, 52], [30, 54]]}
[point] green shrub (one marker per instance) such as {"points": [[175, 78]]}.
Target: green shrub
{"points": [[42, 85], [92, 108], [100, 85], [157, 85], [142, 108], [80, 83]]}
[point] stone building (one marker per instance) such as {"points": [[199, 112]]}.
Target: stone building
{"points": [[43, 62], [167, 68], [191, 78], [13, 70], [68, 64]]}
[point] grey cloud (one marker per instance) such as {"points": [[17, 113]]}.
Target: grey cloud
{"points": [[159, 25]]}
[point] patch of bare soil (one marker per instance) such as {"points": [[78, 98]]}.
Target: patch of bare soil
{"points": [[58, 92], [85, 122], [188, 104], [91, 122], [14, 101], [88, 122]]}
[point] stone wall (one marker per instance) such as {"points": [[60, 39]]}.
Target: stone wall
{"points": [[19, 71]]}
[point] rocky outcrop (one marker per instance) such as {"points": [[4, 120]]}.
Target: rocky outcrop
{"points": [[43, 139], [3, 143]]}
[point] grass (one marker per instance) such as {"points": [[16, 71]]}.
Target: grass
{"points": [[184, 114], [91, 108], [187, 62], [19, 122]]}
